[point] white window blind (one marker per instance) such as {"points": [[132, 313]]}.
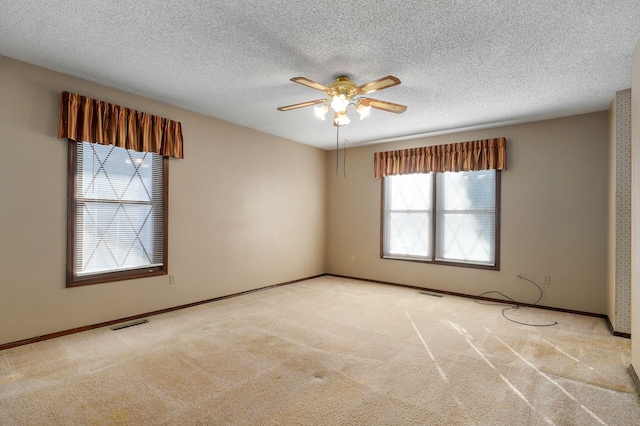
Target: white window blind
{"points": [[408, 214], [466, 217], [119, 210]]}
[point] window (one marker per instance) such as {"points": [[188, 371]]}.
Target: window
{"points": [[116, 213], [447, 218]]}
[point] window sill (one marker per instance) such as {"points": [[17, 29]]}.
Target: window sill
{"points": [[445, 263]]}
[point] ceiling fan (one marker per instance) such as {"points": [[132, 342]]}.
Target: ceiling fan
{"points": [[342, 93]]}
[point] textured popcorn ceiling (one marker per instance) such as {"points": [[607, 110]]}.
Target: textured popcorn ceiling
{"points": [[463, 64]]}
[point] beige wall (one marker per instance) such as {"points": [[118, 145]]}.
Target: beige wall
{"points": [[238, 220], [247, 210], [635, 208], [554, 216]]}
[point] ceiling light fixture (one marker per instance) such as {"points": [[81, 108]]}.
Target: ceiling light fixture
{"points": [[363, 108], [342, 93], [339, 103], [341, 118], [321, 111]]}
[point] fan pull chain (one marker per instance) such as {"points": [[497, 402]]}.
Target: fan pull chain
{"points": [[337, 148], [344, 160]]}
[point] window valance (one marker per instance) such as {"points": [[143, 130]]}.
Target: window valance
{"points": [[84, 119], [485, 154]]}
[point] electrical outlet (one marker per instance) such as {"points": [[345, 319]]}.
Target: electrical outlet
{"points": [[172, 279], [546, 280], [361, 259], [353, 257]]}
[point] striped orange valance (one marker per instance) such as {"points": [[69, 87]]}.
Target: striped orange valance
{"points": [[89, 120], [483, 154]]}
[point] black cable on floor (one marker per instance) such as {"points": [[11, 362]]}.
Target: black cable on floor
{"points": [[515, 306]]}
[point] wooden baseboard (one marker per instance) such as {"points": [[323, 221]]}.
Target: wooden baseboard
{"points": [[488, 299], [135, 317], [635, 378], [175, 308], [617, 333]]}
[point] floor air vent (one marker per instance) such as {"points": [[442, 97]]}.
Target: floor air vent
{"points": [[129, 324], [430, 294]]}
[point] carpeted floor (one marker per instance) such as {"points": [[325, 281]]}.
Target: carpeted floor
{"points": [[327, 351]]}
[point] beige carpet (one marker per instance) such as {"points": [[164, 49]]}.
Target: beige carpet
{"points": [[327, 351]]}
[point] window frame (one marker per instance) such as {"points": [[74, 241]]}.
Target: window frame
{"points": [[434, 230], [72, 226]]}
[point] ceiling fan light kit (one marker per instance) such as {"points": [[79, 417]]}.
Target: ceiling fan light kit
{"points": [[321, 111], [341, 118], [344, 92], [363, 107]]}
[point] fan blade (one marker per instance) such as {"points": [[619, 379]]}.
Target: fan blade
{"points": [[381, 83], [301, 105], [310, 83], [386, 106]]}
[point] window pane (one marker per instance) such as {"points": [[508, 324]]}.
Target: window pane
{"points": [[465, 216], [407, 232], [468, 190], [468, 238], [410, 192], [115, 173], [115, 236], [409, 235]]}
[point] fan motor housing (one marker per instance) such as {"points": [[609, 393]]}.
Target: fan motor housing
{"points": [[344, 86]]}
